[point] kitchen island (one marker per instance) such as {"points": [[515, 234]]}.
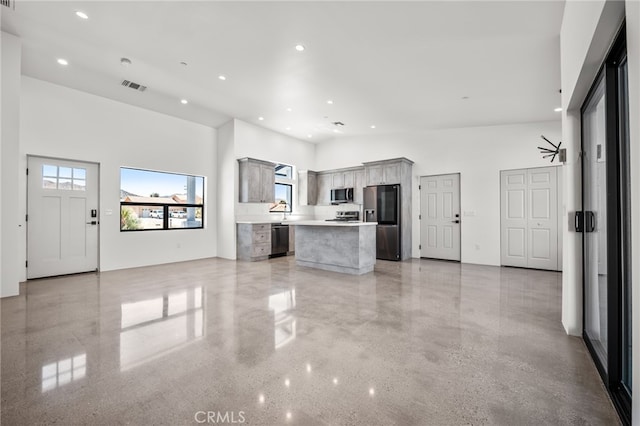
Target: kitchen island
{"points": [[347, 247]]}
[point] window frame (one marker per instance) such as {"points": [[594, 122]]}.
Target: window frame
{"points": [[281, 180], [289, 205], [164, 206]]}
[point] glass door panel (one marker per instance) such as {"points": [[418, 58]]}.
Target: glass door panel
{"points": [[595, 211]]}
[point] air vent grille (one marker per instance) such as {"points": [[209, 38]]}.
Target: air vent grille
{"points": [[131, 84], [8, 3]]}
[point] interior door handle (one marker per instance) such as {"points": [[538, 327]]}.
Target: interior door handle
{"points": [[455, 221], [93, 222]]}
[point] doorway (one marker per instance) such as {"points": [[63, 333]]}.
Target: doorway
{"points": [[62, 217], [440, 217], [529, 218]]}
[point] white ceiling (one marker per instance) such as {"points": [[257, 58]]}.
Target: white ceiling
{"points": [[401, 66]]}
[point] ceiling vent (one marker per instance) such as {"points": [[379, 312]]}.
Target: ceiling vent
{"points": [[127, 83], [8, 3], [338, 123]]}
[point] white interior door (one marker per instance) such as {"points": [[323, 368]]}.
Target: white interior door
{"points": [[543, 219], [514, 218], [440, 216], [529, 218], [62, 225]]}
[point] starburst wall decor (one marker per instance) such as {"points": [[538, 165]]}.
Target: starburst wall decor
{"points": [[556, 151]]}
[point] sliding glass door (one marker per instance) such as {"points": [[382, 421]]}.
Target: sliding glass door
{"points": [[594, 204], [606, 230]]}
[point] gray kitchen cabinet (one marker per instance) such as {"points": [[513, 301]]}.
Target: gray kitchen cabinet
{"points": [[292, 240], [337, 180], [256, 181], [343, 179], [384, 172], [253, 241], [358, 184], [307, 188], [325, 183]]}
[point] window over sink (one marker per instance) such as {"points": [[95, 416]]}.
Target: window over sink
{"points": [[284, 183]]}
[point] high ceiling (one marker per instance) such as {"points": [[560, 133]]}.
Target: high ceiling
{"points": [[401, 66]]}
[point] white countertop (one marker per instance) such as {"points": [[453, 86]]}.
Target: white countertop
{"points": [[330, 223], [260, 222]]}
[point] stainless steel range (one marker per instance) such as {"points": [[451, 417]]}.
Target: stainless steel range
{"points": [[346, 216]]}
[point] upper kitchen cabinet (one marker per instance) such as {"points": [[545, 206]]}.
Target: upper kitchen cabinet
{"points": [[257, 181], [343, 179], [307, 188], [386, 172], [325, 183], [358, 185]]}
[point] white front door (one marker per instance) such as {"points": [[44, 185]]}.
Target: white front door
{"points": [[440, 216], [529, 218], [62, 222]]}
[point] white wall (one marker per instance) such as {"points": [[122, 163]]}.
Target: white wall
{"points": [[10, 223], [477, 153], [60, 122], [240, 139], [227, 195]]}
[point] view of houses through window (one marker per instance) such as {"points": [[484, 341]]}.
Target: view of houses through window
{"points": [[283, 189], [160, 200]]}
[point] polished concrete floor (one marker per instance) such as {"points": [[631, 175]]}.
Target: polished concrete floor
{"points": [[414, 343]]}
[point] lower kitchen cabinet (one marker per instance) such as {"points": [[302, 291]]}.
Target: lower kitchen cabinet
{"points": [[253, 241]]}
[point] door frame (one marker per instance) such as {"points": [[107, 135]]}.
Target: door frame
{"points": [[459, 205], [26, 234]]}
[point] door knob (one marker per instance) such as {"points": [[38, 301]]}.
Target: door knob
{"points": [[93, 222], [455, 221]]}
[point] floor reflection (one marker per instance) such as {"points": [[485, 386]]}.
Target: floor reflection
{"points": [[64, 371], [282, 304], [155, 327]]}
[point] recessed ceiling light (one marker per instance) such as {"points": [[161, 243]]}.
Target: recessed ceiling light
{"points": [[558, 109], [222, 77], [81, 14], [309, 136], [330, 102], [373, 126], [336, 131], [63, 61], [299, 47], [184, 101], [289, 109], [260, 118], [288, 128], [125, 62]]}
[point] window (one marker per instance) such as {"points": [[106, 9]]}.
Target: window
{"points": [[64, 178], [283, 171], [157, 200], [283, 198], [283, 189]]}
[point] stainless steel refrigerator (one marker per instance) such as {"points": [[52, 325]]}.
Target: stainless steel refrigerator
{"points": [[382, 205]]}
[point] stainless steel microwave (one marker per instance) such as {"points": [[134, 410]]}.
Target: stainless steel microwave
{"points": [[342, 195]]}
